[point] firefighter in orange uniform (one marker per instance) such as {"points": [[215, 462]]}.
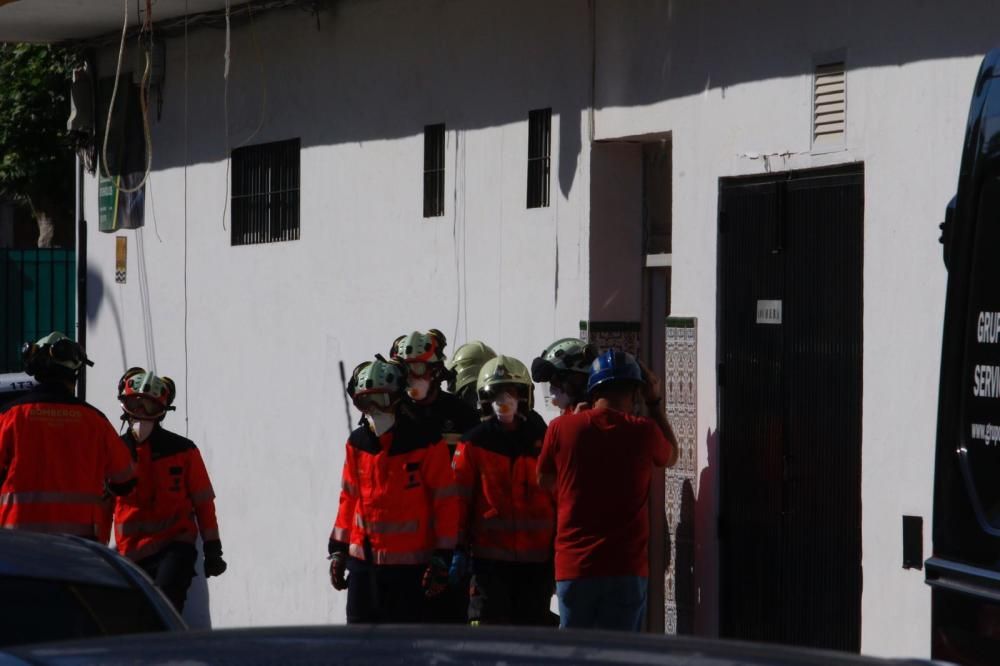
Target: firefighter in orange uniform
{"points": [[158, 524], [506, 522], [57, 453], [396, 527]]}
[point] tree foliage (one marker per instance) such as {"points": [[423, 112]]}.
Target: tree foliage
{"points": [[36, 157]]}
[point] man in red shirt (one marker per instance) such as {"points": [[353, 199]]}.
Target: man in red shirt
{"points": [[599, 462]]}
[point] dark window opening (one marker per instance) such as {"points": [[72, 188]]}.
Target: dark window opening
{"points": [[434, 170], [539, 157], [265, 193], [656, 197]]}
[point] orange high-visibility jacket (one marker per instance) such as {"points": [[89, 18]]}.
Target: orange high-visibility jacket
{"points": [[504, 514], [173, 500], [399, 493], [56, 454]]}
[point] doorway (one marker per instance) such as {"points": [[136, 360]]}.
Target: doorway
{"points": [[790, 263]]}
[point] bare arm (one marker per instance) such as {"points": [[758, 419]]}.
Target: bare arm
{"points": [[652, 393]]}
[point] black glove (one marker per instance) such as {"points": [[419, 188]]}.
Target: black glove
{"points": [[435, 580], [214, 564], [338, 571]]}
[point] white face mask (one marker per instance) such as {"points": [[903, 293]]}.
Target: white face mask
{"points": [[380, 422], [141, 430], [558, 397], [505, 407], [418, 389]]}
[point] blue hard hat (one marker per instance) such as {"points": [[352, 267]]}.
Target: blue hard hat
{"points": [[613, 366]]}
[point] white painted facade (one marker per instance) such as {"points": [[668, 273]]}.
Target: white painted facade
{"points": [[253, 334]]}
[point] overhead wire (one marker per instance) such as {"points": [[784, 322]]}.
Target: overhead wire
{"points": [[225, 101], [187, 391], [143, 103], [225, 113]]}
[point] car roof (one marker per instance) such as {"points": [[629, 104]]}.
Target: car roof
{"points": [[359, 644], [15, 382], [56, 557]]}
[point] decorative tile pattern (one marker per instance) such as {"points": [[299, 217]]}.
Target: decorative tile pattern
{"points": [[680, 384], [621, 335]]}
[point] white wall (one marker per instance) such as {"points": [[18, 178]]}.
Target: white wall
{"points": [[253, 334], [256, 361], [733, 80]]}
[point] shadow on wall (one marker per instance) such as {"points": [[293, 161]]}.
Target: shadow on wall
{"points": [[716, 44], [384, 70], [685, 587], [706, 553], [376, 71], [96, 299]]}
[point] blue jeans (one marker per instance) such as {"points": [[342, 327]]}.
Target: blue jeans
{"points": [[613, 602]]}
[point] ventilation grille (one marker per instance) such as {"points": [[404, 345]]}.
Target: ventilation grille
{"points": [[829, 105]]}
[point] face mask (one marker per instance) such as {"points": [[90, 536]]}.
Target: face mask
{"points": [[380, 422], [141, 430], [417, 389], [558, 397], [505, 407]]}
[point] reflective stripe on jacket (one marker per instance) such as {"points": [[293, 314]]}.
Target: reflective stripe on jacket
{"points": [[398, 490], [504, 514], [56, 453], [173, 500]]}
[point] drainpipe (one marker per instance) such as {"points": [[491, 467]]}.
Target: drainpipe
{"points": [[81, 278]]}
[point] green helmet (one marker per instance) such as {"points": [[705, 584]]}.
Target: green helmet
{"points": [[564, 355], [380, 382], [419, 347], [501, 371], [466, 363]]}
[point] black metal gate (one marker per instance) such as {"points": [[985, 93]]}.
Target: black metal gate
{"points": [[790, 345]]}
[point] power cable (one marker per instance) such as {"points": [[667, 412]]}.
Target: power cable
{"points": [[187, 391], [143, 103], [225, 100]]}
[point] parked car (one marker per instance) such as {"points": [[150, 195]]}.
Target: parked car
{"points": [[64, 587], [13, 385], [440, 644]]}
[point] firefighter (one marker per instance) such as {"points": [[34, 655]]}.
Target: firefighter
{"points": [[58, 454], [565, 365], [463, 369], [424, 358], [422, 353], [506, 522], [157, 525], [396, 526]]}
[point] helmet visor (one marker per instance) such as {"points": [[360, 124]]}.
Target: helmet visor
{"points": [[375, 400], [420, 369], [542, 370], [142, 406]]}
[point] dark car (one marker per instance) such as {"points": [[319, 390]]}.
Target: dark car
{"points": [[13, 385], [964, 571], [386, 645], [63, 587]]}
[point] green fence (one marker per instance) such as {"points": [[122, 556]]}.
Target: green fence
{"points": [[37, 296]]}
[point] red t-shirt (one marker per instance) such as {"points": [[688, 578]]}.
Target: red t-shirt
{"points": [[603, 460]]}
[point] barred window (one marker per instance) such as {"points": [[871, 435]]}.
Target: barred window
{"points": [[434, 170], [539, 157], [265, 193]]}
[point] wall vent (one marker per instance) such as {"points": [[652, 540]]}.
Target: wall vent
{"points": [[829, 105]]}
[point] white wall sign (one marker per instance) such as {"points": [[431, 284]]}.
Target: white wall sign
{"points": [[768, 312]]}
